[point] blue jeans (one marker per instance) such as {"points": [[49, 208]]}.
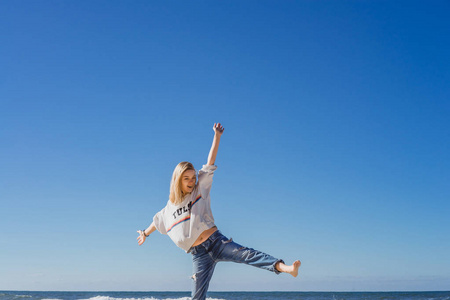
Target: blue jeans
{"points": [[219, 248]]}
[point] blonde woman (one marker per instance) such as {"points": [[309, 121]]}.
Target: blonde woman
{"points": [[187, 219]]}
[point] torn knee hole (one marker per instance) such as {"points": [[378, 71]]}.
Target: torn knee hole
{"points": [[194, 277]]}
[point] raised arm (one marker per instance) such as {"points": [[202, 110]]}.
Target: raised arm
{"points": [[218, 130]]}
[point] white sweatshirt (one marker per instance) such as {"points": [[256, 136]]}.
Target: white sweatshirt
{"points": [[184, 222]]}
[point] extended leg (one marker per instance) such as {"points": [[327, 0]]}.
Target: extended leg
{"points": [[231, 251]]}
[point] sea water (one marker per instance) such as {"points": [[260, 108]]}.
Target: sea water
{"points": [[27, 295]]}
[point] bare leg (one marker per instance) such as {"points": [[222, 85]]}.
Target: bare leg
{"points": [[292, 269]]}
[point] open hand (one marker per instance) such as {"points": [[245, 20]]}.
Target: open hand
{"points": [[141, 237], [218, 128]]}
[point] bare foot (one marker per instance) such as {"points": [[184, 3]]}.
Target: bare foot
{"points": [[295, 267], [292, 269]]}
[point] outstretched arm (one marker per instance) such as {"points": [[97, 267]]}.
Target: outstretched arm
{"points": [[218, 130], [143, 234]]}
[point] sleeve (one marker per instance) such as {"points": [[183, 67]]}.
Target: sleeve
{"points": [[205, 178], [158, 220]]}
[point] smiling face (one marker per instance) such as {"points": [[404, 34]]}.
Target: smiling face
{"points": [[188, 179]]}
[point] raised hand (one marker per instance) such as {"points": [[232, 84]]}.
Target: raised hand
{"points": [[218, 128]]}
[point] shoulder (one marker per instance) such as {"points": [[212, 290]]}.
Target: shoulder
{"points": [[165, 208]]}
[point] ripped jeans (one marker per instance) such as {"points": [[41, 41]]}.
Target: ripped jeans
{"points": [[219, 248]]}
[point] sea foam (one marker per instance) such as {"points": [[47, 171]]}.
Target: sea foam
{"points": [[151, 298]]}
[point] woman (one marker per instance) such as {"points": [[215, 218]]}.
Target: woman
{"points": [[188, 220]]}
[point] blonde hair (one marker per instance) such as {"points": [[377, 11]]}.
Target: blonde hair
{"points": [[176, 194]]}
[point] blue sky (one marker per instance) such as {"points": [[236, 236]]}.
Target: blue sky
{"points": [[335, 150]]}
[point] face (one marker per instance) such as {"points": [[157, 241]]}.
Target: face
{"points": [[188, 179]]}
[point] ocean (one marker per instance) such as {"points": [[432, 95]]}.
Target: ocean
{"points": [[27, 295]]}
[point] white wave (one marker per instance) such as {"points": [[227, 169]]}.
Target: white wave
{"points": [[151, 298], [112, 298]]}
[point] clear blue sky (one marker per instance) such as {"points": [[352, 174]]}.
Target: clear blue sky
{"points": [[335, 152]]}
